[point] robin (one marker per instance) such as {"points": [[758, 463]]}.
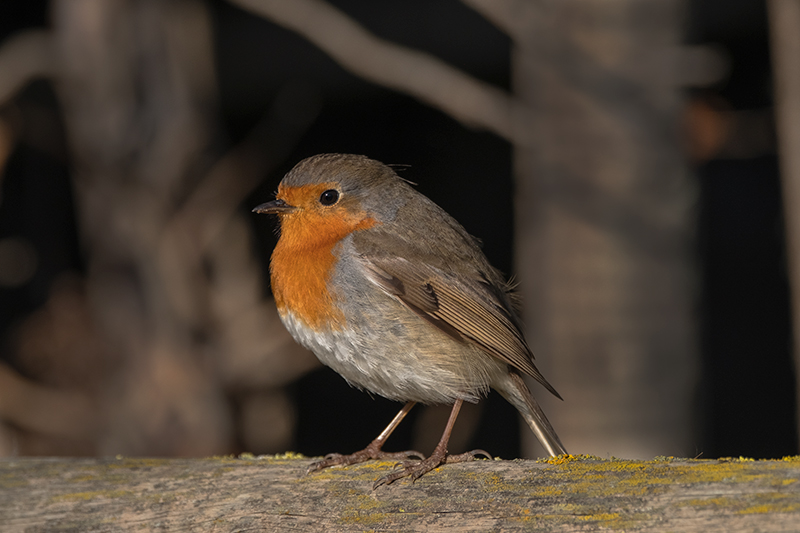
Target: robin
{"points": [[393, 294]]}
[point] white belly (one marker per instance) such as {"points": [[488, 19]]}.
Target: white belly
{"points": [[400, 368]]}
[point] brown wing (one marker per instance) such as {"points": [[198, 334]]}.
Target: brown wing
{"points": [[468, 311]]}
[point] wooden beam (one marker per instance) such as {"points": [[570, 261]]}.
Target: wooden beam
{"points": [[273, 493]]}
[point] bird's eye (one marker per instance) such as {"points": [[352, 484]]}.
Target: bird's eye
{"points": [[329, 197]]}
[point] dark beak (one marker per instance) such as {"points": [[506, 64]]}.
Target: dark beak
{"points": [[275, 207]]}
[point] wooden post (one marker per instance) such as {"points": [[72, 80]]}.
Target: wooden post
{"points": [[784, 19], [604, 224]]}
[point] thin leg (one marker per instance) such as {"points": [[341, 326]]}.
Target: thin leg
{"points": [[437, 458], [373, 450], [388, 430]]}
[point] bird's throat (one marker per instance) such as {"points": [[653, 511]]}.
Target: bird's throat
{"points": [[302, 265]]}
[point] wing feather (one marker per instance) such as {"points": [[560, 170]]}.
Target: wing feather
{"points": [[469, 311]]}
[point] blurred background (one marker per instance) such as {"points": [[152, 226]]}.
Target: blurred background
{"points": [[618, 159]]}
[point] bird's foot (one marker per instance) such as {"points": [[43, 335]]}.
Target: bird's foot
{"points": [[416, 470], [373, 451]]}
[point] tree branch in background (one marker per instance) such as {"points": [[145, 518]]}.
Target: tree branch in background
{"points": [[223, 189], [24, 57], [471, 101], [48, 410], [209, 230], [510, 16]]}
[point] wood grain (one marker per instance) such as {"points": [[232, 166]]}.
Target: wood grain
{"points": [[567, 493]]}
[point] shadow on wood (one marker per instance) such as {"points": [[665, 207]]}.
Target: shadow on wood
{"points": [[566, 493]]}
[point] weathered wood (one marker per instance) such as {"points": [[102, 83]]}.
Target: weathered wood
{"points": [[273, 494]]}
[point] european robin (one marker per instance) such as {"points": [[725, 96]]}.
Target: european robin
{"points": [[393, 294]]}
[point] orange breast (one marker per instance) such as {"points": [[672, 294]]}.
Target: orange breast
{"points": [[303, 261]]}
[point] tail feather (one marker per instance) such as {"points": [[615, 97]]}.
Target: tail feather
{"points": [[520, 397]]}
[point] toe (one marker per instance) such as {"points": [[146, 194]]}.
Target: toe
{"points": [[467, 456]]}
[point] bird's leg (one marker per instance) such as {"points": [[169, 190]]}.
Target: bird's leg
{"points": [[373, 450], [437, 458]]}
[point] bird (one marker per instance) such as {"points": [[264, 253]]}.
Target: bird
{"points": [[393, 294]]}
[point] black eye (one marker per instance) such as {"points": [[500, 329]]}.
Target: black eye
{"points": [[329, 197]]}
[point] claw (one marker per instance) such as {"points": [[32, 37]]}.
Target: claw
{"points": [[419, 469], [368, 453], [405, 464], [468, 456], [372, 451], [415, 453]]}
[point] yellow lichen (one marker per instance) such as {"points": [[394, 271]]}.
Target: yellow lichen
{"points": [[288, 455], [604, 517], [568, 458]]}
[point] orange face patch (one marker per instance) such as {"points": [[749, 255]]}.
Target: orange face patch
{"points": [[303, 258]]}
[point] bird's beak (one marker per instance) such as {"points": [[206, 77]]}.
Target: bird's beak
{"points": [[275, 207]]}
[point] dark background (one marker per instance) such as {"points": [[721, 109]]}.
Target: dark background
{"points": [[746, 400]]}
